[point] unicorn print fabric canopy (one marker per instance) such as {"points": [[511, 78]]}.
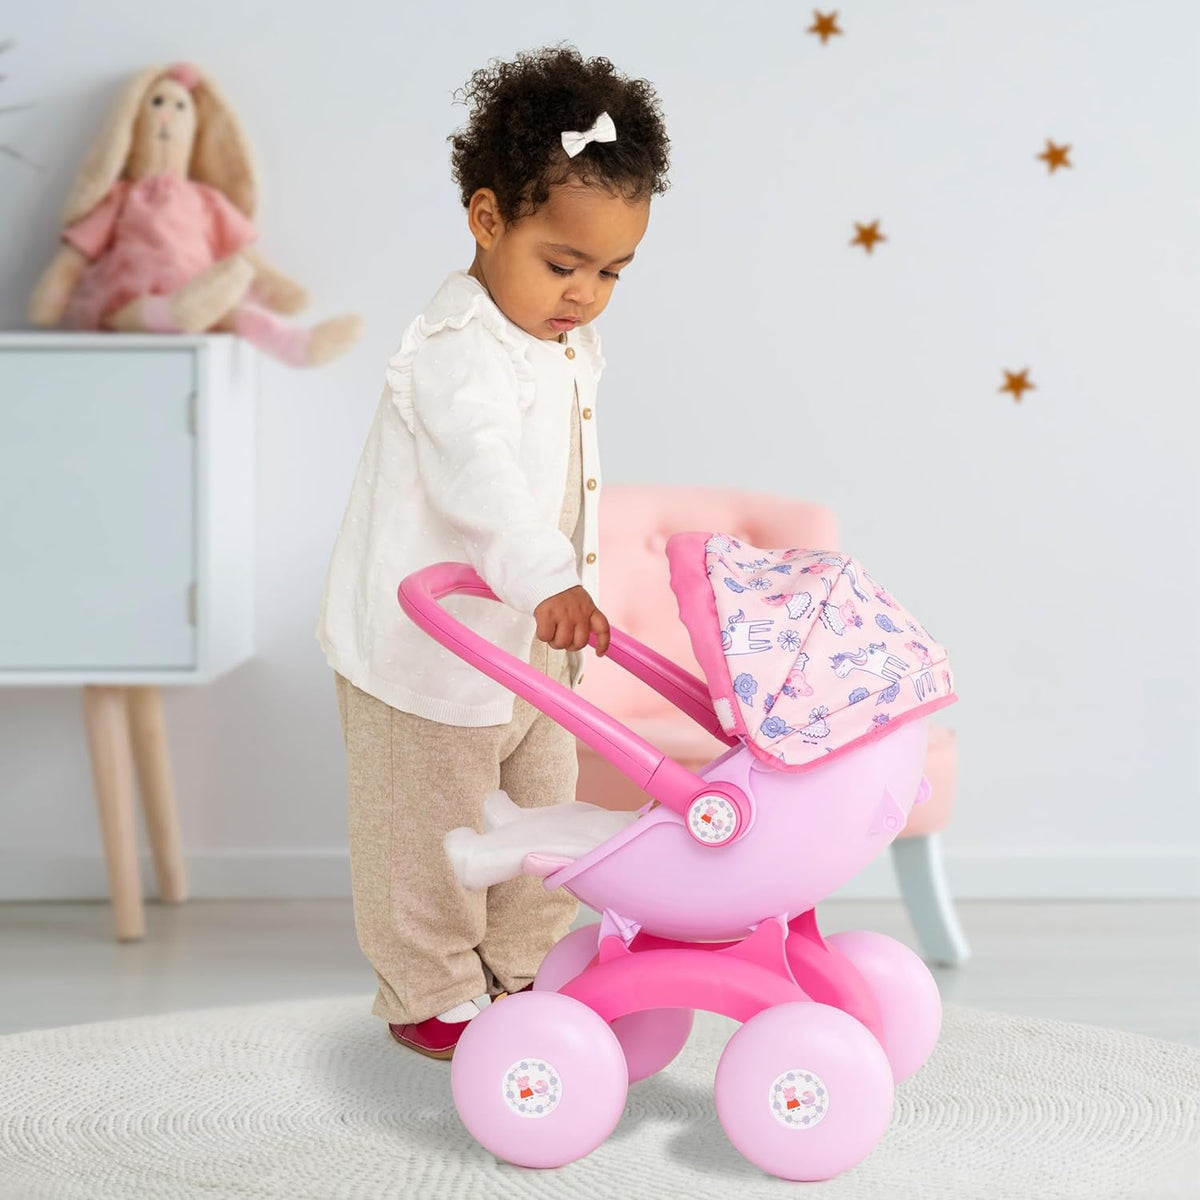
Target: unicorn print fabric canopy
{"points": [[805, 655]]}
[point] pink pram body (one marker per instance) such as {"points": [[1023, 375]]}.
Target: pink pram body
{"points": [[801, 847], [708, 897]]}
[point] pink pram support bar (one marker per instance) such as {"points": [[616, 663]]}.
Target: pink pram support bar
{"points": [[649, 768]]}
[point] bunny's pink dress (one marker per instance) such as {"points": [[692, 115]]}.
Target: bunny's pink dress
{"points": [[148, 237]]}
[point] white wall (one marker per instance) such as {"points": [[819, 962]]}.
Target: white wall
{"points": [[1051, 544]]}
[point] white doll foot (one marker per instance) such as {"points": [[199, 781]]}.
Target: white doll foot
{"points": [[499, 809], [558, 832]]}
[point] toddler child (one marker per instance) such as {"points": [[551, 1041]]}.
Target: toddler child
{"points": [[483, 450]]}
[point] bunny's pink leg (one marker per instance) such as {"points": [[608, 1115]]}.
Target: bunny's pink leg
{"points": [[278, 338], [198, 304], [145, 314], [156, 316]]}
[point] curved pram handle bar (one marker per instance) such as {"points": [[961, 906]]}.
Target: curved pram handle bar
{"points": [[715, 814], [668, 679]]}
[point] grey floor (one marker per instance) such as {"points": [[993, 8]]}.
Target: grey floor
{"points": [[1129, 965]]}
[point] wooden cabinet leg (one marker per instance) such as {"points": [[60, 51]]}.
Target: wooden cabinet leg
{"points": [[106, 717], [157, 786]]}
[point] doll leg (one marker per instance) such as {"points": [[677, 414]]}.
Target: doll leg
{"points": [[332, 338], [524, 920], [272, 334], [410, 782], [295, 345], [198, 305]]}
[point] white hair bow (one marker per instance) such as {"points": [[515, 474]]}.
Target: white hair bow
{"points": [[603, 131]]}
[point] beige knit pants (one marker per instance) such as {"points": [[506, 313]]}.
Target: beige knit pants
{"points": [[432, 943]]}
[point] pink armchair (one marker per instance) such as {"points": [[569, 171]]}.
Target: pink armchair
{"points": [[635, 522]]}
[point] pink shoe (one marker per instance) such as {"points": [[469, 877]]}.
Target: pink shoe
{"points": [[433, 1038]]}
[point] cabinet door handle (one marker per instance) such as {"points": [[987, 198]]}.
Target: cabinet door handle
{"points": [[191, 603]]}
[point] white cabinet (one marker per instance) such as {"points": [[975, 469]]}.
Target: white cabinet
{"points": [[126, 507], [126, 552]]}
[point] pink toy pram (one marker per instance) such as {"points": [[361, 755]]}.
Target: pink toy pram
{"points": [[821, 684]]}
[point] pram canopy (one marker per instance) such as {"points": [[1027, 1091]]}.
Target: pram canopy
{"points": [[804, 653]]}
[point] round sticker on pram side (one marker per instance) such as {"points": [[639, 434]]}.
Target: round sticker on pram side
{"points": [[798, 1099], [712, 819], [532, 1088]]}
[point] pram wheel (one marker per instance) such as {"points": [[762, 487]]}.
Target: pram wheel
{"points": [[567, 957], [905, 991], [539, 1079], [650, 1040], [804, 1091]]}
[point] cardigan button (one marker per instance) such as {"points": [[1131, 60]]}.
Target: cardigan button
{"points": [[591, 485], [587, 414], [570, 351], [591, 558]]}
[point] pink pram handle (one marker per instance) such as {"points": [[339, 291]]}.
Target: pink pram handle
{"points": [[651, 770]]}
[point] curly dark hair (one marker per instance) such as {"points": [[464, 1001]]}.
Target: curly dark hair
{"points": [[512, 143]]}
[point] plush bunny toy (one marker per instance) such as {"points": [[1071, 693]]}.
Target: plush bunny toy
{"points": [[159, 225]]}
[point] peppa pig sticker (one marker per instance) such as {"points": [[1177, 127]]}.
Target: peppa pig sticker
{"points": [[532, 1088], [798, 1099], [712, 819]]}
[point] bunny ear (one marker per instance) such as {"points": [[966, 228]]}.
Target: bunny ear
{"points": [[221, 156], [106, 159]]}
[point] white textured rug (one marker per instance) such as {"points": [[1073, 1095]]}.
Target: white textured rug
{"points": [[312, 1101]]}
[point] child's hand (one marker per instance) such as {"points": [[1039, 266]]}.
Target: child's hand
{"points": [[568, 619]]}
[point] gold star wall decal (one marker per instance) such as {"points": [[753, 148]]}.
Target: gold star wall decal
{"points": [[1017, 382], [867, 236], [825, 26], [1055, 156]]}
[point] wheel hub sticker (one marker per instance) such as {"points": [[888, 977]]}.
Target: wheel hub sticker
{"points": [[532, 1088], [712, 819], [798, 1099]]}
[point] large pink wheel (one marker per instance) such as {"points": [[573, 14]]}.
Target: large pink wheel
{"points": [[568, 956], [804, 1091], [907, 995], [539, 1079], [651, 1040]]}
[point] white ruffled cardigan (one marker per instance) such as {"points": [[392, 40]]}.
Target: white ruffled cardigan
{"points": [[465, 461]]}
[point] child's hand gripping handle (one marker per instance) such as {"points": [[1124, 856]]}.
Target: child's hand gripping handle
{"points": [[715, 814]]}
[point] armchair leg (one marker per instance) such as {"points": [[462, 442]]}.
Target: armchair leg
{"points": [[922, 878]]}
